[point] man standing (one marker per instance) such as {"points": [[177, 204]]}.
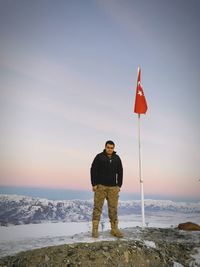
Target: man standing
{"points": [[106, 178]]}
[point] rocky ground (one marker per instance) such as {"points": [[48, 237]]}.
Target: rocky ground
{"points": [[149, 247]]}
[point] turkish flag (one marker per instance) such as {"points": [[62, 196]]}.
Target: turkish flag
{"points": [[140, 100]]}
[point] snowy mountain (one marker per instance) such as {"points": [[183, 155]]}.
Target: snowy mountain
{"points": [[17, 209]]}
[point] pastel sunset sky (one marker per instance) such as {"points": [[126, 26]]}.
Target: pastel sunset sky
{"points": [[68, 72]]}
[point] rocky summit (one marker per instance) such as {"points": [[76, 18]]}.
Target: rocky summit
{"points": [[149, 247]]}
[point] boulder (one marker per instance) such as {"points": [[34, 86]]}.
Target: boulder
{"points": [[189, 226]]}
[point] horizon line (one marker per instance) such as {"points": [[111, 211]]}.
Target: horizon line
{"points": [[69, 194]]}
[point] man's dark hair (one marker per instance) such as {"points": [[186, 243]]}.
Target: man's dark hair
{"points": [[110, 143]]}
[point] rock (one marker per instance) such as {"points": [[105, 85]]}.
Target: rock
{"points": [[92, 257], [126, 256], [106, 254], [189, 226], [46, 258]]}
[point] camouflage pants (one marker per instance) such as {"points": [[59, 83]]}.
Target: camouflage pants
{"points": [[111, 194]]}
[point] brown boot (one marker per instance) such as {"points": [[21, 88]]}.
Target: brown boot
{"points": [[95, 225], [114, 229]]}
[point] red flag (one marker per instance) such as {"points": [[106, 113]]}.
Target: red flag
{"points": [[140, 100]]}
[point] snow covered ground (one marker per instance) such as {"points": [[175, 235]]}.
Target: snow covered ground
{"points": [[16, 238]]}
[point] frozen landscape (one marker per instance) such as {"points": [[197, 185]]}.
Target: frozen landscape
{"points": [[29, 223]]}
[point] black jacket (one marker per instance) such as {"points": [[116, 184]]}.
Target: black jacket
{"points": [[107, 171]]}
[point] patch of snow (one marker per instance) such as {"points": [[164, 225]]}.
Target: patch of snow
{"points": [[28, 231], [196, 257], [150, 244], [176, 264]]}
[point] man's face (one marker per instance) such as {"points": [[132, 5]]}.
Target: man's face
{"points": [[109, 149]]}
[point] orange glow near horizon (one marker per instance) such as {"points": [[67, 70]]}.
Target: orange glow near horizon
{"points": [[58, 180]]}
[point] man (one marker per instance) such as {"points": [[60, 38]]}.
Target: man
{"points": [[106, 178]]}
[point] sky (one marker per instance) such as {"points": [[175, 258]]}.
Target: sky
{"points": [[68, 72]]}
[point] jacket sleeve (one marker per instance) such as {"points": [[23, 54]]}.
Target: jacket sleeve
{"points": [[120, 173], [94, 171]]}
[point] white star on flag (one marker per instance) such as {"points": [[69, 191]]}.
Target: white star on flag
{"points": [[140, 93]]}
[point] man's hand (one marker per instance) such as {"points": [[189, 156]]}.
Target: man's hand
{"points": [[94, 188]]}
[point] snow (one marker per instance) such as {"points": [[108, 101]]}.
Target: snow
{"points": [[16, 238], [161, 219], [176, 264], [196, 257], [20, 232], [150, 244]]}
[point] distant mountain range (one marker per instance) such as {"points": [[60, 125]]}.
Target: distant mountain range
{"points": [[18, 209]]}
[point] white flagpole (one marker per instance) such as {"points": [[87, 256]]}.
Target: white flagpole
{"points": [[140, 175]]}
